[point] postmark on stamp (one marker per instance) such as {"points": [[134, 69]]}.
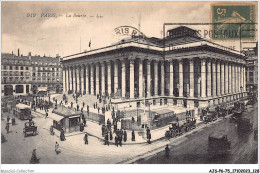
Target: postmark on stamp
{"points": [[233, 21]]}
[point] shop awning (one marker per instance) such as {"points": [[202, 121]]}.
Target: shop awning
{"points": [[55, 117]]}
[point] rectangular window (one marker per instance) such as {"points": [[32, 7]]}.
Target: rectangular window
{"points": [[21, 67], [4, 67], [11, 67], [21, 73], [27, 68], [16, 67], [33, 74]]}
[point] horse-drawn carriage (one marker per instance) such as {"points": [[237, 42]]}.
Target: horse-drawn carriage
{"points": [[29, 129]]}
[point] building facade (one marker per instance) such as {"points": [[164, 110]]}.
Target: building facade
{"points": [[23, 74], [182, 70], [251, 70], [47, 72]]}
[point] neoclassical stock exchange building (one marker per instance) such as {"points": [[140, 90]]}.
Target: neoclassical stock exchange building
{"points": [[182, 69]]}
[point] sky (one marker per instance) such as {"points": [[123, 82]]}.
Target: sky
{"points": [[65, 35]]}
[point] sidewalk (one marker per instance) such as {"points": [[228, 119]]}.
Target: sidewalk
{"points": [[94, 129]]}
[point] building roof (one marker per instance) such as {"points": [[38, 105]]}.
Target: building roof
{"points": [[158, 45], [65, 112]]}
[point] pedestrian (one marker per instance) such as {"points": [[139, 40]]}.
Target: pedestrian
{"points": [[46, 115], [34, 159], [120, 139], [71, 104], [106, 139], [13, 121], [57, 148], [3, 138], [125, 136], [133, 135], [8, 118], [86, 138], [111, 136], [98, 109], [167, 151], [77, 107], [7, 127], [84, 122], [149, 138], [116, 141]]}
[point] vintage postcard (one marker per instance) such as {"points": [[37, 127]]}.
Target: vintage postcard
{"points": [[129, 83]]}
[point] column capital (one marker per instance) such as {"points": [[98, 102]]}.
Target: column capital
{"points": [[179, 61], [156, 61], [162, 62], [148, 62], [131, 60]]}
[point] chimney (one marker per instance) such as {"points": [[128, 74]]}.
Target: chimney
{"points": [[29, 54], [18, 52]]}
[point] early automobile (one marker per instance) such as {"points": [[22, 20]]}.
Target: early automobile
{"points": [[175, 129], [218, 144], [210, 116], [190, 123], [244, 125], [29, 129], [236, 116]]}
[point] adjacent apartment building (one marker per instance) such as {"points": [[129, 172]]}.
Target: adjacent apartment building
{"points": [[22, 75]]}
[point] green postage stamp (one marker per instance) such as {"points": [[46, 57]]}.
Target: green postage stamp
{"points": [[233, 21]]}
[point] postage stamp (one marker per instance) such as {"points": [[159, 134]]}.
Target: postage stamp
{"points": [[233, 21]]}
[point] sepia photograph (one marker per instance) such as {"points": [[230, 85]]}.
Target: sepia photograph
{"points": [[132, 82]]}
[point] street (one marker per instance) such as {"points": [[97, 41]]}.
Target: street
{"points": [[193, 148], [189, 148]]}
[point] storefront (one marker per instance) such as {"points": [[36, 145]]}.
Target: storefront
{"points": [[66, 118]]}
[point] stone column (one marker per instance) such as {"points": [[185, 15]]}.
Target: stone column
{"points": [[123, 78], [218, 79], [209, 78], [203, 78], [191, 61], [155, 77], [190, 103], [115, 77], [97, 79], [72, 79], [76, 79], [103, 89], [226, 78], [148, 78], [235, 69], [92, 80], [229, 79], [82, 78], [109, 83], [244, 78], [87, 79], [233, 78], [214, 89], [64, 79], [171, 78], [222, 79], [68, 78], [180, 78], [132, 78], [162, 78], [141, 83]]}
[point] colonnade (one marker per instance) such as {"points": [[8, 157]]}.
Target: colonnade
{"points": [[189, 78]]}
